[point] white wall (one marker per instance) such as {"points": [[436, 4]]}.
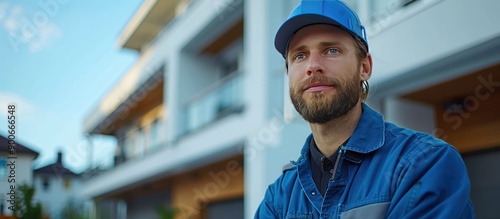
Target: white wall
{"points": [[443, 29], [24, 173], [409, 114], [55, 198]]}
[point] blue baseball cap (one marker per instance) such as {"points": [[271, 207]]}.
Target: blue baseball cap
{"points": [[310, 12]]}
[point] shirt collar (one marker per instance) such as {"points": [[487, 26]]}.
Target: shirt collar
{"points": [[368, 135], [324, 163]]}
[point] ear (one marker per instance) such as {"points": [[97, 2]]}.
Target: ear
{"points": [[366, 68]]}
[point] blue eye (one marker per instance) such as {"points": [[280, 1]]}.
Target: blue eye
{"points": [[332, 51], [298, 56]]}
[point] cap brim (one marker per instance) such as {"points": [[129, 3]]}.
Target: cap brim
{"points": [[292, 25]]}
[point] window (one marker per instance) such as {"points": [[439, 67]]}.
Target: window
{"points": [[128, 146], [67, 184], [228, 209], [485, 181], [230, 67], [139, 143], [221, 101], [405, 3], [154, 134], [45, 184], [134, 143], [382, 9]]}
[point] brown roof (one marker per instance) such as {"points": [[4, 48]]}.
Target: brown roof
{"points": [[56, 168], [20, 149]]}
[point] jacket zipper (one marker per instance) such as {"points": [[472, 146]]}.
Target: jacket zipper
{"points": [[337, 162], [335, 167]]}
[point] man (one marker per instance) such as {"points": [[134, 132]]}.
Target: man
{"points": [[354, 165]]}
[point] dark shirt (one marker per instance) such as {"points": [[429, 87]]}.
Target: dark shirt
{"points": [[322, 167]]}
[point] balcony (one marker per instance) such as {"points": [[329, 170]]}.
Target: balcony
{"points": [[215, 102], [124, 104], [138, 144], [149, 20]]}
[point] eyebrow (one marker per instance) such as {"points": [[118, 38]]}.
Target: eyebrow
{"points": [[325, 44], [300, 48], [322, 44]]}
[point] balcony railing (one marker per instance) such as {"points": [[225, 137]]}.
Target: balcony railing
{"points": [[216, 101], [136, 144]]}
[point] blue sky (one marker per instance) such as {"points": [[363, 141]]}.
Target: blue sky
{"points": [[58, 59]]}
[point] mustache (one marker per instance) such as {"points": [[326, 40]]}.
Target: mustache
{"points": [[317, 79]]}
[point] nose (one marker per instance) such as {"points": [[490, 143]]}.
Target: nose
{"points": [[315, 66]]}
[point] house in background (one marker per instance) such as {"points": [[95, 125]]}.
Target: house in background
{"points": [[23, 172], [56, 186], [205, 110]]}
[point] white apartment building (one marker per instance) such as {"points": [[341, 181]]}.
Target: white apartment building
{"points": [[203, 119]]}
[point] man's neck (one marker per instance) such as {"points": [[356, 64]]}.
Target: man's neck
{"points": [[331, 135]]}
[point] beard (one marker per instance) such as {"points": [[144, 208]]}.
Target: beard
{"points": [[320, 107]]}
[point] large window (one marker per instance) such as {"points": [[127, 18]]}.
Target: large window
{"points": [[224, 96], [134, 143], [139, 143], [154, 134], [380, 10], [130, 145], [220, 100]]}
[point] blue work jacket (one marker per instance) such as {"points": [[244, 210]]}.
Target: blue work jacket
{"points": [[384, 171]]}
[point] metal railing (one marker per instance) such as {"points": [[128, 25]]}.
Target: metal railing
{"points": [[214, 102]]}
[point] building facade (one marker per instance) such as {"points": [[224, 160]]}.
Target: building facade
{"points": [[203, 119], [56, 187]]}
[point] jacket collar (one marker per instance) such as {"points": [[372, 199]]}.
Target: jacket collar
{"points": [[368, 135]]}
